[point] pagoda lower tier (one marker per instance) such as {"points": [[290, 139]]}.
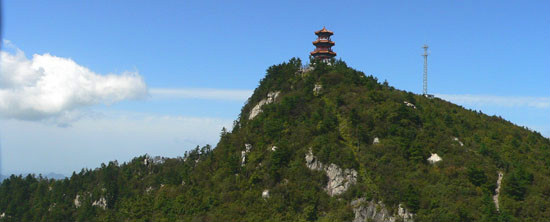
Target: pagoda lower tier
{"points": [[323, 54]]}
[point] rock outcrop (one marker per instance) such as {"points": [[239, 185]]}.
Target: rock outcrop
{"points": [[247, 148], [153, 160], [77, 202], [376, 141], [265, 194], [409, 104], [339, 180], [304, 69], [102, 202], [497, 190], [457, 140], [377, 212], [317, 89], [434, 158], [258, 108]]}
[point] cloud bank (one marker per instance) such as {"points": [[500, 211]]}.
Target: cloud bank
{"points": [[504, 101], [48, 86]]}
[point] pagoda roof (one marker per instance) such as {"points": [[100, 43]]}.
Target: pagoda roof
{"points": [[323, 41], [323, 52], [324, 30]]}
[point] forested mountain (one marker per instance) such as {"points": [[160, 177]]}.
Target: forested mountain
{"points": [[317, 143]]}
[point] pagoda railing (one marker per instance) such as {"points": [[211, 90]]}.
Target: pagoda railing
{"points": [[323, 49]]}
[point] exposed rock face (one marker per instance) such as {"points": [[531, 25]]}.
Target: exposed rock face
{"points": [[77, 203], [434, 158], [158, 160], [457, 140], [317, 89], [303, 69], [146, 161], [152, 160], [409, 104], [404, 214], [312, 162], [247, 148], [258, 108], [102, 202], [339, 180], [265, 194], [497, 190], [377, 212], [243, 157], [376, 140]]}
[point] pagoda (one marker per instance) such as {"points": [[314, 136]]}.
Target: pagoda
{"points": [[323, 44]]}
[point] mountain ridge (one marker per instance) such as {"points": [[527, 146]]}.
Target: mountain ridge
{"points": [[323, 143]]}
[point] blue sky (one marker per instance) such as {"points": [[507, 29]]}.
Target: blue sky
{"points": [[183, 69]]}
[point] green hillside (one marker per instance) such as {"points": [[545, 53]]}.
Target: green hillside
{"points": [[326, 143]]}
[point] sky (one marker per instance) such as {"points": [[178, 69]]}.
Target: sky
{"points": [[87, 82]]}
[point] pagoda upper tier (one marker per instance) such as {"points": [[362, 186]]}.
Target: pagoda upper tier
{"points": [[324, 31], [323, 45]]}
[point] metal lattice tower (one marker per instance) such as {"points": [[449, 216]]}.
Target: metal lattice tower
{"points": [[425, 91]]}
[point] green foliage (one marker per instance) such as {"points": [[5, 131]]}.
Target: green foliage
{"points": [[339, 125], [476, 176], [411, 198], [517, 182]]}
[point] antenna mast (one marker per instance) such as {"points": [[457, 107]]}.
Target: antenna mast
{"points": [[425, 91]]}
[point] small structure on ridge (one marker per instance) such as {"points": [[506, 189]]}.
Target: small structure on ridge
{"points": [[323, 45]]}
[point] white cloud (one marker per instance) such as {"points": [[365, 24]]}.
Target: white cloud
{"points": [[50, 87], [214, 94], [505, 101]]}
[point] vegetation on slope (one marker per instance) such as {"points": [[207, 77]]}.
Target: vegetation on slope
{"points": [[339, 125]]}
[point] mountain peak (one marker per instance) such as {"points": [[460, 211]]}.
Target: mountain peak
{"points": [[320, 142]]}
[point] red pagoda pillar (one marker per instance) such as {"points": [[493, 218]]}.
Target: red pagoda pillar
{"points": [[323, 45]]}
